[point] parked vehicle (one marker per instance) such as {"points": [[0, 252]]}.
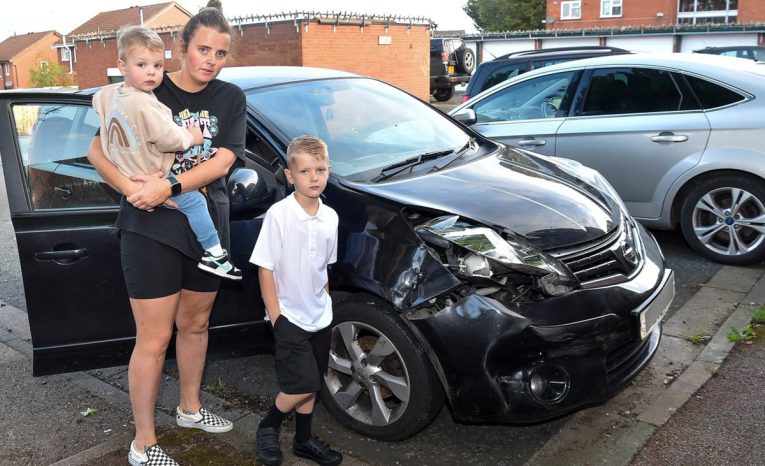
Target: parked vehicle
{"points": [[678, 135], [511, 284], [451, 63], [749, 52], [502, 68]]}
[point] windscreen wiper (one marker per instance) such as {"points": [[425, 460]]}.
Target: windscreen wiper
{"points": [[457, 154], [398, 167]]}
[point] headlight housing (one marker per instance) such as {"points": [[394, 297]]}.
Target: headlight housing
{"points": [[483, 254]]}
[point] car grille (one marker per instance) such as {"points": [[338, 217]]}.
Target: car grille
{"points": [[609, 260]]}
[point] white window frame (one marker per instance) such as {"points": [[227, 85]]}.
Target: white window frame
{"points": [[7, 69], [607, 8], [66, 54], [571, 10]]}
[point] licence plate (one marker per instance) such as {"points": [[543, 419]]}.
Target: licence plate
{"points": [[650, 316], [451, 69]]}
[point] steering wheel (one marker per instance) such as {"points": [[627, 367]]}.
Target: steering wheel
{"points": [[549, 109]]}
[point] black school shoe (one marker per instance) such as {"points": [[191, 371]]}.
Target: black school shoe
{"points": [[267, 446], [315, 450]]}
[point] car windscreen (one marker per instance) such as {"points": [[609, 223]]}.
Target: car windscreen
{"points": [[366, 124]]}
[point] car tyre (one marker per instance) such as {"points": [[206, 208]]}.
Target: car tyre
{"points": [[721, 218], [380, 382], [442, 94], [465, 60]]}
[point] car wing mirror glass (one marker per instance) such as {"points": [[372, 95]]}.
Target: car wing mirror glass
{"points": [[247, 190], [466, 116]]}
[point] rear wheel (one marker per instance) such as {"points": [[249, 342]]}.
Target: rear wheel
{"points": [[442, 94], [465, 60], [380, 383], [723, 218]]}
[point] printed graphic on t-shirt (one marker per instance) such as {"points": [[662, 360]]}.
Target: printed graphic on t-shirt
{"points": [[121, 135], [208, 124]]}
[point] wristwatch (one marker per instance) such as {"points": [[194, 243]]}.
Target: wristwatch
{"points": [[175, 186]]}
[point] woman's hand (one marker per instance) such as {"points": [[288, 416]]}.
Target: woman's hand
{"points": [[152, 190]]}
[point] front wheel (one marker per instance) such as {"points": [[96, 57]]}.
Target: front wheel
{"points": [[380, 383], [723, 219], [442, 94]]}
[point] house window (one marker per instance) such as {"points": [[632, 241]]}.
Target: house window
{"points": [[610, 8], [7, 69], [707, 11], [571, 10], [65, 54]]}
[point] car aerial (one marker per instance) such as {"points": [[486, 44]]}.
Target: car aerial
{"points": [[451, 63], [490, 73], [749, 52], [679, 136], [512, 285]]}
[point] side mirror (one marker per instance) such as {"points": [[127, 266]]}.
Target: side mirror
{"points": [[247, 190], [466, 116]]}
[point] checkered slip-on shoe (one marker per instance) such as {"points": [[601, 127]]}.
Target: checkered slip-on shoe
{"points": [[204, 420], [153, 456]]}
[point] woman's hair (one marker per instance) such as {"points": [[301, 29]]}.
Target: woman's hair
{"points": [[210, 16], [137, 36]]}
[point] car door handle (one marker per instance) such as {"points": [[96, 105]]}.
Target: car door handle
{"points": [[669, 137], [532, 142], [66, 255]]}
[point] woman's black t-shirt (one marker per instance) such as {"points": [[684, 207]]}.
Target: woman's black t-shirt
{"points": [[220, 112]]}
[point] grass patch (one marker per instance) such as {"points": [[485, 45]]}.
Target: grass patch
{"points": [[698, 339], [748, 333], [758, 316]]}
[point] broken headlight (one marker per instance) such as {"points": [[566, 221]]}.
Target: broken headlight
{"points": [[483, 255]]}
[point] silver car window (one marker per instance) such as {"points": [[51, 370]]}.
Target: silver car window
{"points": [[531, 99], [614, 91]]}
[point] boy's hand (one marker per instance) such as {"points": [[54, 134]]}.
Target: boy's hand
{"points": [[197, 133]]}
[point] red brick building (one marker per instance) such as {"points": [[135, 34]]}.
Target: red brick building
{"points": [[392, 49], [21, 53], [578, 14]]}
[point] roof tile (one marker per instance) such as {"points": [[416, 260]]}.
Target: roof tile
{"points": [[108, 21], [14, 45]]}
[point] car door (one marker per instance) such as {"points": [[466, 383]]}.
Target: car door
{"points": [[63, 214], [640, 127], [526, 113]]}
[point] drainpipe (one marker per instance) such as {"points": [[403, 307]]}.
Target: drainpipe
{"points": [[140, 12]]}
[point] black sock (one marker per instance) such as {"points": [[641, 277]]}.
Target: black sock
{"points": [[274, 418], [302, 427]]}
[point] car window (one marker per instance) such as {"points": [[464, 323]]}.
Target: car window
{"points": [[712, 95], [394, 127], [614, 91], [53, 140], [531, 99], [759, 54], [501, 74]]}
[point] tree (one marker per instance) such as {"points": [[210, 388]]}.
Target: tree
{"points": [[506, 15], [50, 74]]}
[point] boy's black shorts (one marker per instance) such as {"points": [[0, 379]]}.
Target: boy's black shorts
{"points": [[300, 357], [155, 270]]}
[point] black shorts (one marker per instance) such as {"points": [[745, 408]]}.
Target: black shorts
{"points": [[300, 357], [154, 270]]}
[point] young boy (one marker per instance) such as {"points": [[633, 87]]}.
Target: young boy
{"points": [[139, 136], [296, 243]]}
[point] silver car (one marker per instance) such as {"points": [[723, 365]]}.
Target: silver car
{"points": [[681, 137]]}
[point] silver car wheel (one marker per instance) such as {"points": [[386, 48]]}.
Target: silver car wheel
{"points": [[729, 221], [367, 376]]}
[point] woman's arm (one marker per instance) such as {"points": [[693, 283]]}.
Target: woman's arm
{"points": [[156, 191]]}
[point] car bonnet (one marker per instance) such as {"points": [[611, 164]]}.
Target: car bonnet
{"points": [[514, 191]]}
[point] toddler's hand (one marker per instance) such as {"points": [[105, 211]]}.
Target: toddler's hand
{"points": [[197, 133]]}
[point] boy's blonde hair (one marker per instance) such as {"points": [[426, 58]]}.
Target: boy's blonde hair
{"points": [[309, 145], [135, 36]]}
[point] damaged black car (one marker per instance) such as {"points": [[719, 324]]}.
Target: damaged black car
{"points": [[509, 286]]}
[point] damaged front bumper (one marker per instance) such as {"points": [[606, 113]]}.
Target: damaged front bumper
{"points": [[512, 362]]}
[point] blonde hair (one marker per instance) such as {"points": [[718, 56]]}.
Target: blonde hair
{"points": [[309, 145], [135, 36]]}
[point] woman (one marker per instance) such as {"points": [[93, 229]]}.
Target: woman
{"points": [[157, 247]]}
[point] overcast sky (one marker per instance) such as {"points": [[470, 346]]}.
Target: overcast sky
{"points": [[63, 16]]}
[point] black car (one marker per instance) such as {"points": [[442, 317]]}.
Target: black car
{"points": [[512, 64], [749, 52], [512, 285], [451, 63]]}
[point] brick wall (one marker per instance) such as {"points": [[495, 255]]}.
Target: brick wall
{"points": [[30, 58], [275, 45], [751, 11], [634, 13]]}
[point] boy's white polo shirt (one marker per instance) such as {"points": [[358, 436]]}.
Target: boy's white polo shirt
{"points": [[298, 247]]}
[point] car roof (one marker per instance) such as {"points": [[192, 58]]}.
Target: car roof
{"points": [[731, 47], [249, 77], [562, 51]]}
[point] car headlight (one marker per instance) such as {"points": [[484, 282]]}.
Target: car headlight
{"points": [[484, 254]]}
